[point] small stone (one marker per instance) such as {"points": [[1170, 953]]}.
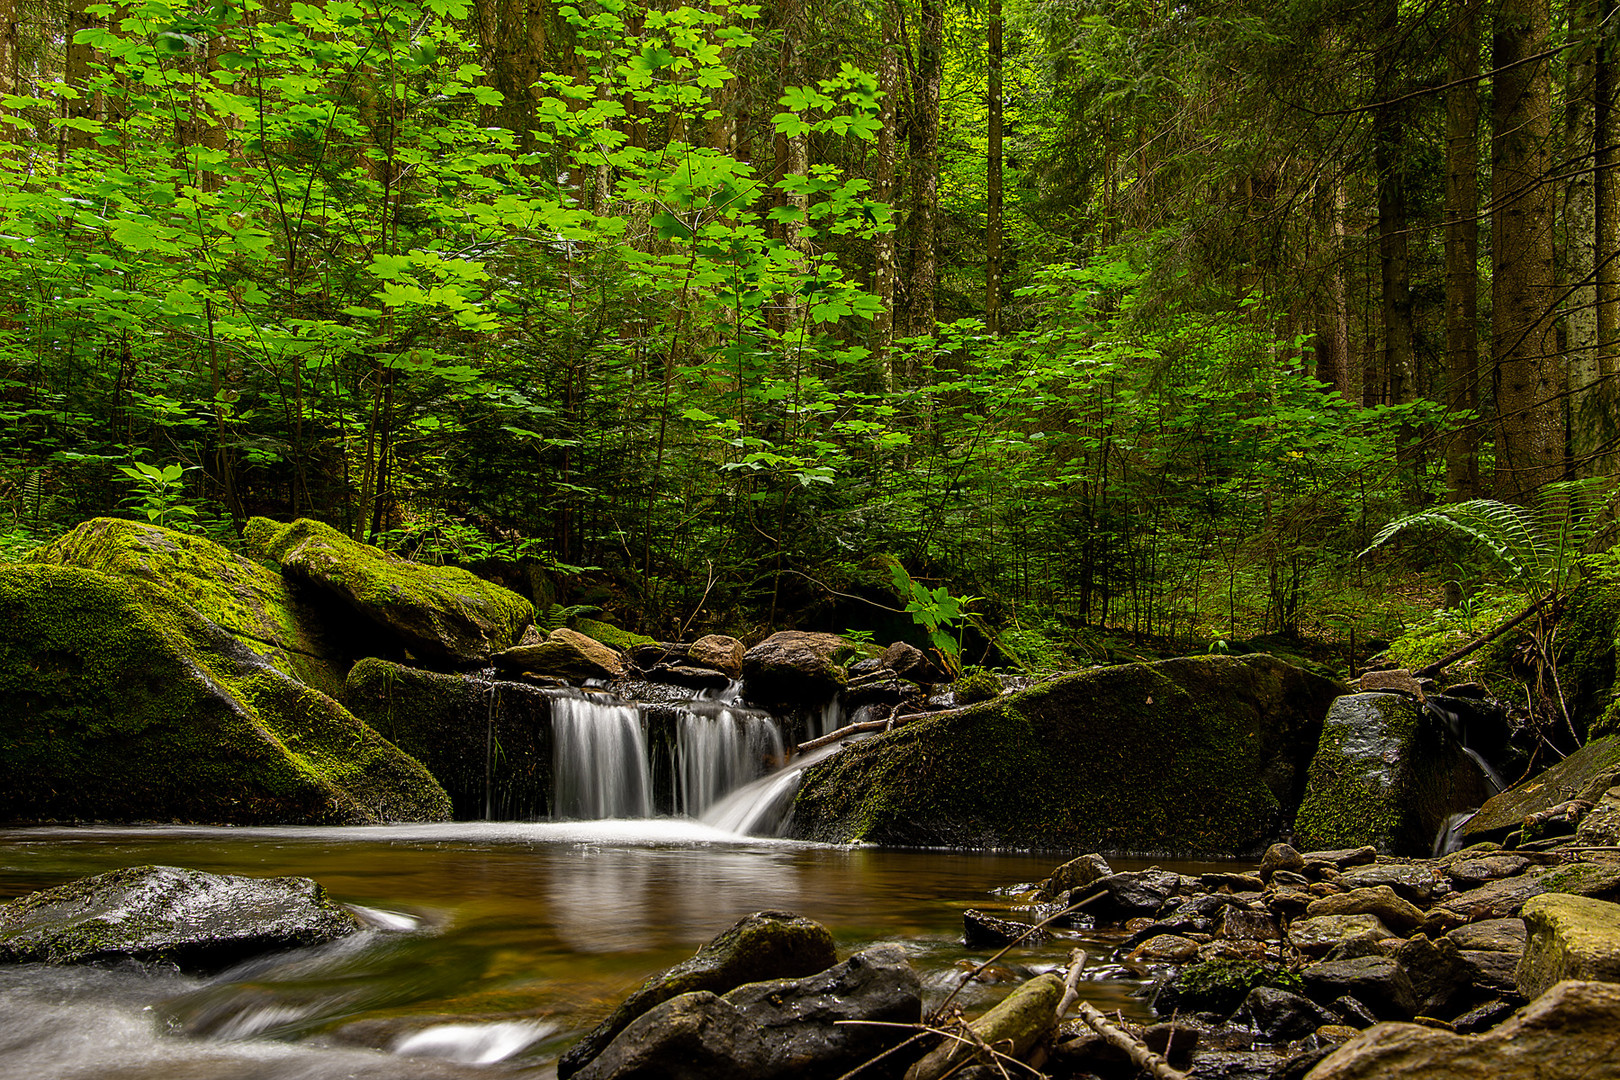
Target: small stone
{"points": [[1290, 879], [1380, 900], [1379, 982], [1282, 1016], [1472, 873], [1318, 935], [1165, 949], [1419, 884], [1344, 858], [1280, 857], [980, 930], [1244, 925]]}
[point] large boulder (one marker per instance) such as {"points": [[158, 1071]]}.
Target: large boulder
{"points": [[1569, 937], [487, 741], [442, 614], [165, 914], [566, 654], [120, 703], [793, 669], [1572, 1032], [1387, 774], [243, 597], [1201, 754], [760, 947], [1587, 774], [719, 652], [820, 1026]]}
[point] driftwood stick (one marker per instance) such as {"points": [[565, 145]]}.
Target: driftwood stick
{"points": [[1140, 1055], [842, 733]]}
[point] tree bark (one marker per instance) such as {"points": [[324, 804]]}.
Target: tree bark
{"points": [[993, 223], [925, 168], [9, 72], [1462, 245], [1586, 400], [77, 73], [1527, 375], [881, 339]]}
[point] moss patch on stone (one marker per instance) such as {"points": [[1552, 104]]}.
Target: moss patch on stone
{"points": [[1587, 773], [608, 634], [120, 703], [238, 594], [1200, 754], [441, 613]]}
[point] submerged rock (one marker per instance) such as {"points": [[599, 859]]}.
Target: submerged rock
{"points": [[1386, 774], [1201, 754], [763, 946], [820, 1026], [440, 613], [120, 703], [164, 914]]}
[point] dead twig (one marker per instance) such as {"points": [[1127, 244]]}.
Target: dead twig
{"points": [[1143, 1058], [1043, 924]]}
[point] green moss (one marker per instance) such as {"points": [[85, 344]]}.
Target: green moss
{"points": [[235, 593], [1191, 755], [976, 685], [441, 612], [258, 534], [1219, 986], [608, 634], [119, 702]]}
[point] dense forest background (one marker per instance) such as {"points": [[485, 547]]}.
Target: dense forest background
{"points": [[1082, 315]]}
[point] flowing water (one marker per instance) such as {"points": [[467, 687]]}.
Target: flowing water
{"points": [[494, 944]]}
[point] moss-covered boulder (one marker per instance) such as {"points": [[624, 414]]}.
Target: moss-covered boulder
{"points": [[488, 742], [1201, 754], [119, 702], [1569, 937], [166, 914], [243, 597], [1586, 774], [759, 947], [1387, 774], [442, 614]]}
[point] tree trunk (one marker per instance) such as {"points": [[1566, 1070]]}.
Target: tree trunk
{"points": [[1586, 400], [1389, 137], [993, 232], [77, 73], [1462, 245], [925, 167], [1606, 233], [9, 72], [881, 339], [1527, 376]]}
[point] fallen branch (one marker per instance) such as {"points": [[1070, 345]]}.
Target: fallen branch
{"points": [[1143, 1058], [842, 733], [1007, 1031], [1431, 670]]}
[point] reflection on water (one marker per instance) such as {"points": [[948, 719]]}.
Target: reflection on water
{"points": [[490, 944]]}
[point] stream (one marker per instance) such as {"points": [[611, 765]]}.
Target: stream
{"points": [[494, 945]]}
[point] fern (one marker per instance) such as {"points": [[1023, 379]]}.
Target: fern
{"points": [[556, 616]]}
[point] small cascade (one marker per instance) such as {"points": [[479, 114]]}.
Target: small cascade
{"points": [[1459, 729], [729, 694], [763, 808], [600, 765], [719, 750], [831, 718], [1449, 838]]}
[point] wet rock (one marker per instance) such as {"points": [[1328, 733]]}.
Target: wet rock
{"points": [[1281, 1015], [1494, 900], [1569, 937], [1353, 1012], [1232, 882], [793, 668], [911, 663], [194, 921], [1600, 880], [1385, 774], [1197, 754], [1315, 936], [1242, 924], [566, 653], [1439, 976], [690, 676], [980, 930], [1570, 1033], [775, 1029], [1290, 902], [1344, 858], [1132, 894], [1586, 775], [442, 613], [1467, 874], [1378, 981], [764, 946], [1280, 857], [1165, 948], [1420, 885], [1601, 826], [1215, 986], [1013, 1025], [1075, 874], [1380, 900], [1485, 1016], [719, 652]]}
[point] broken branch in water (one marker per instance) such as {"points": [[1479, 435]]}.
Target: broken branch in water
{"points": [[1140, 1055]]}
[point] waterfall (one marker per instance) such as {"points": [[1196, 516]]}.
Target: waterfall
{"points": [[599, 760], [718, 750], [764, 807]]}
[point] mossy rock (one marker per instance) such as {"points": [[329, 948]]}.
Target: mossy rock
{"points": [[1194, 755], [238, 594], [487, 742], [976, 686], [1386, 774], [1219, 986], [608, 634], [118, 702], [1585, 774], [442, 614]]}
